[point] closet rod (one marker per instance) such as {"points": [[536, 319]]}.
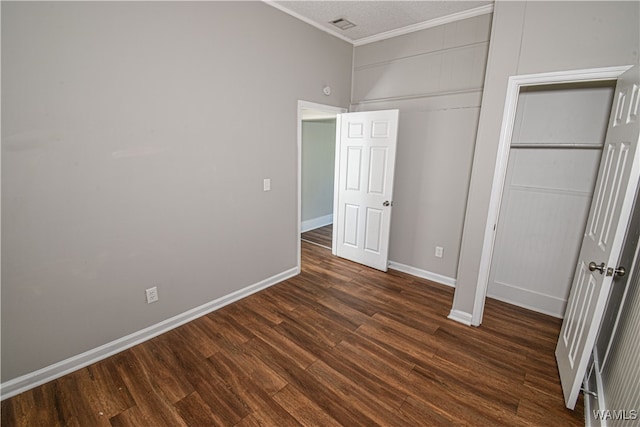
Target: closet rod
{"points": [[558, 145]]}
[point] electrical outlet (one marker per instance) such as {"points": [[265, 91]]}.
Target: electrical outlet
{"points": [[266, 184], [152, 295], [439, 251]]}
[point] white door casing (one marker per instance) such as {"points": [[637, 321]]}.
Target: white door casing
{"points": [[366, 146], [497, 189], [609, 217]]}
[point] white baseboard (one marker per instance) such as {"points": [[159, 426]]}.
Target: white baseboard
{"points": [[461, 317], [434, 277], [57, 370], [312, 224], [527, 298], [593, 384]]}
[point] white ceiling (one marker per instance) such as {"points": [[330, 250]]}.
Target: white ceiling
{"points": [[377, 20]]}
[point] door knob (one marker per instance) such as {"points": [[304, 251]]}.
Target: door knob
{"points": [[387, 203], [620, 271], [593, 267]]}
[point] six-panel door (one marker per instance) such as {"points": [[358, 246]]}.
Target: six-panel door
{"points": [[366, 161], [609, 216]]}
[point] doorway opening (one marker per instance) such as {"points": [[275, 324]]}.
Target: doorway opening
{"points": [[554, 156], [515, 84], [363, 170], [316, 172], [318, 166]]}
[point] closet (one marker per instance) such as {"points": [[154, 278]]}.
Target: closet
{"points": [[553, 162]]}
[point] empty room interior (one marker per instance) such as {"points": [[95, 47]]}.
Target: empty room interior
{"points": [[316, 213]]}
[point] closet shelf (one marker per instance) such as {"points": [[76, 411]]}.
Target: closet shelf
{"points": [[564, 145]]}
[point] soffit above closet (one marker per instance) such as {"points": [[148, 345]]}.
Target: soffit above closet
{"points": [[377, 20]]}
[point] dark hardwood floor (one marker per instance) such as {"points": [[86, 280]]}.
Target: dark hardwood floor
{"points": [[320, 236], [340, 344]]}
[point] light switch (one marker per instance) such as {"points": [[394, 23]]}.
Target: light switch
{"points": [[266, 184]]}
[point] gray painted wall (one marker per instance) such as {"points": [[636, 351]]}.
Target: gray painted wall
{"points": [[535, 37], [135, 139], [434, 77], [318, 165]]}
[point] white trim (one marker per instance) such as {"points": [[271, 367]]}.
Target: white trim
{"points": [[57, 370], [460, 317], [600, 402], [434, 277], [307, 20], [465, 14], [587, 411], [506, 131], [528, 307], [336, 181], [312, 224], [590, 402], [319, 107], [540, 302]]}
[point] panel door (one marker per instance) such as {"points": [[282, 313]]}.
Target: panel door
{"points": [[607, 223], [364, 197]]}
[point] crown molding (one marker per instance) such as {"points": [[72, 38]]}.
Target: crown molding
{"points": [[465, 14], [482, 10]]}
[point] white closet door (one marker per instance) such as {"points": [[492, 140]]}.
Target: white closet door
{"points": [[609, 216]]}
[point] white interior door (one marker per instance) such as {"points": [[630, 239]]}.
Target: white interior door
{"points": [[607, 223], [366, 144]]}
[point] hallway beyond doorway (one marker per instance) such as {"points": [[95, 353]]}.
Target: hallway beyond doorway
{"points": [[320, 236]]}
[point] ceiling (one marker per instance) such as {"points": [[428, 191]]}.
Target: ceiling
{"points": [[378, 20]]}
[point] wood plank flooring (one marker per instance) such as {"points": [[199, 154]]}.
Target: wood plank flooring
{"points": [[338, 345], [320, 236]]}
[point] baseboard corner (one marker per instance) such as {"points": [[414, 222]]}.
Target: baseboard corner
{"points": [[461, 317]]}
